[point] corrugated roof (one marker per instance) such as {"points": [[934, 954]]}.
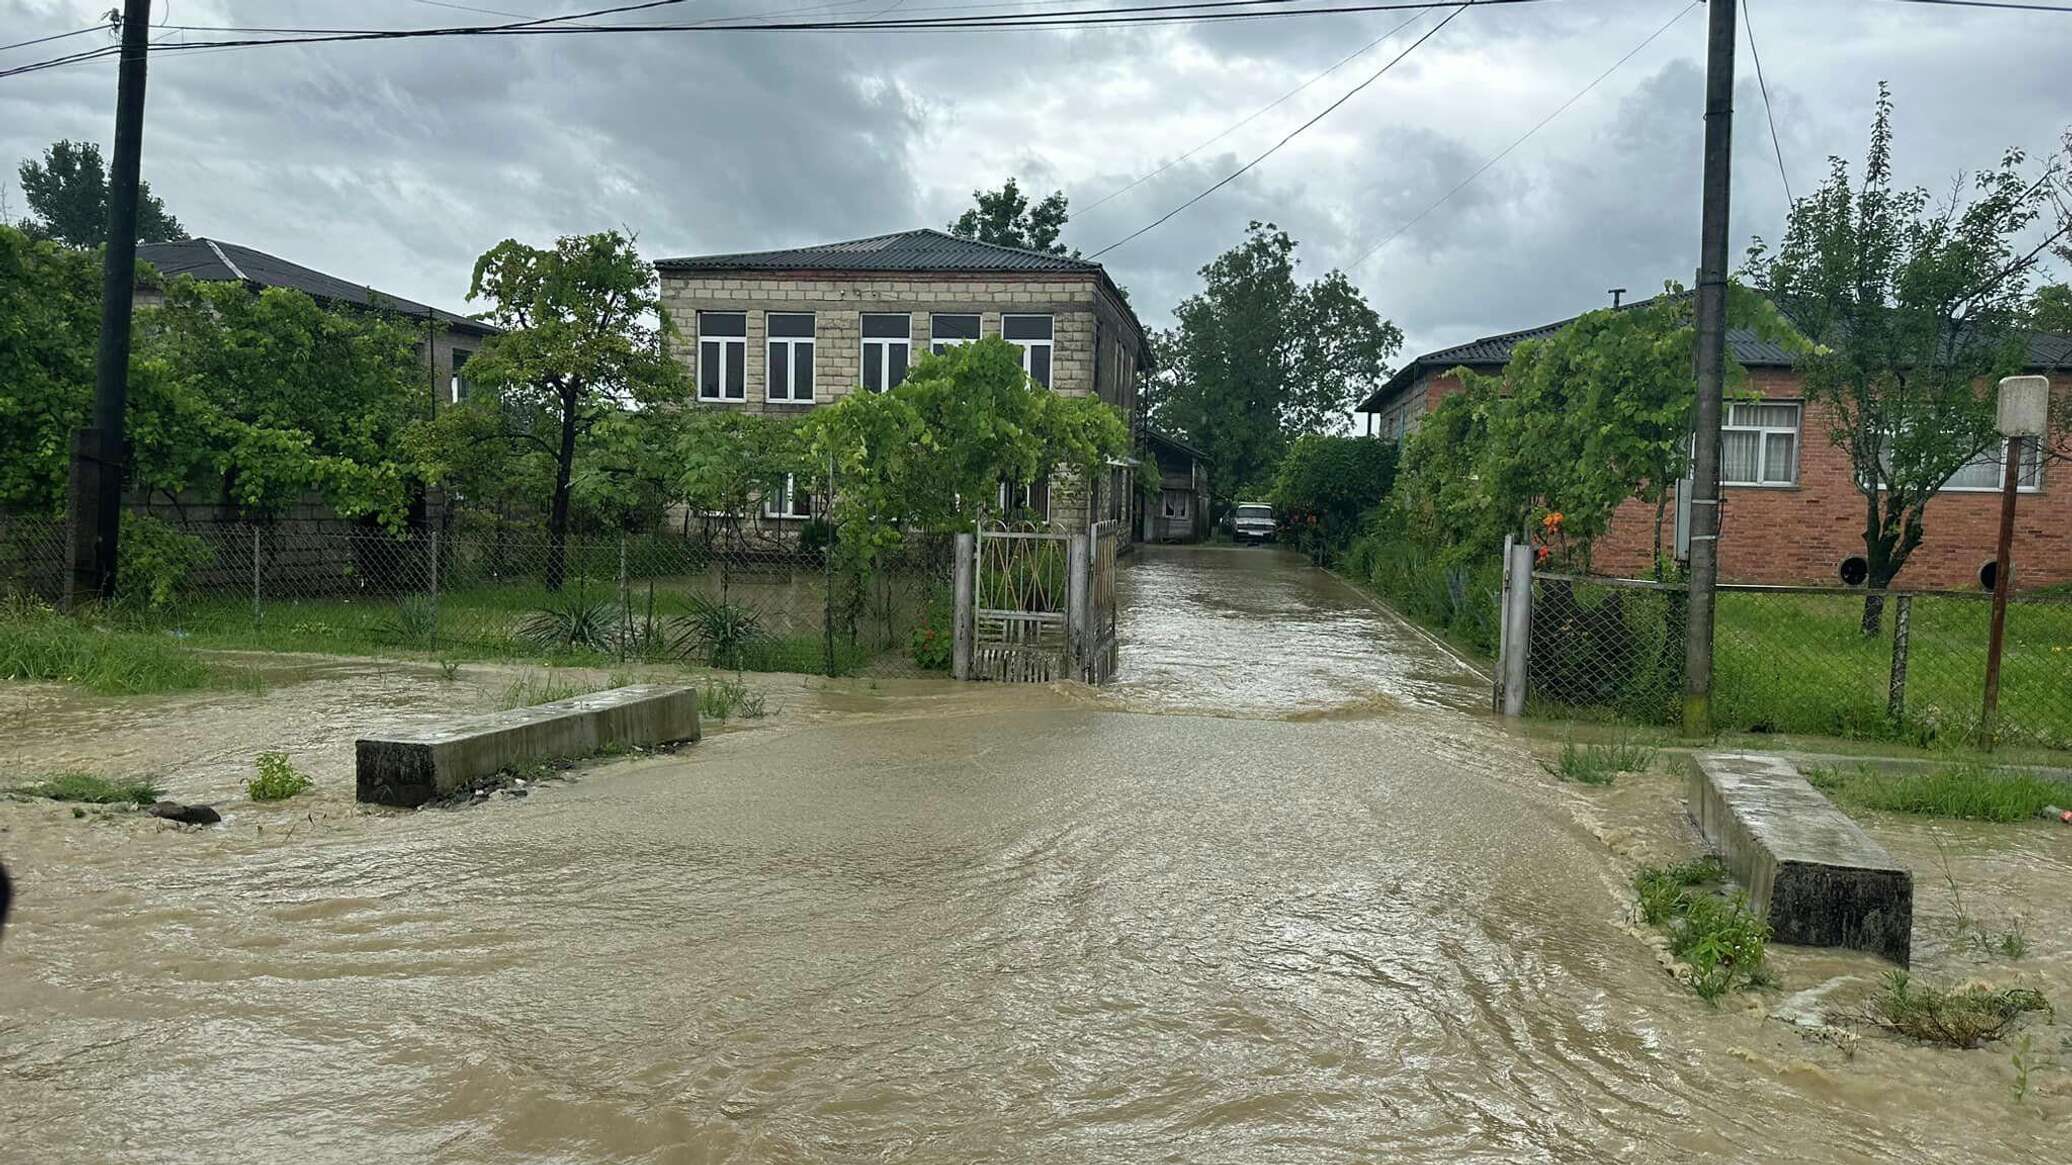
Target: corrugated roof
{"points": [[216, 261], [1743, 345], [915, 250]]}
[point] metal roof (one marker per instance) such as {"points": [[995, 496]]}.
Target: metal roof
{"points": [[1743, 345], [216, 261], [1154, 437], [915, 250]]}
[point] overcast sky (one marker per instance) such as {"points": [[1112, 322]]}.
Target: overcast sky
{"points": [[395, 164]]}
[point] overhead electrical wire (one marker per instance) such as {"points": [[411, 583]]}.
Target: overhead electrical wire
{"points": [[1463, 184], [1292, 134], [22, 44], [1769, 112]]}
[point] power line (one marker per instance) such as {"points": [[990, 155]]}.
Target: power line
{"points": [[1255, 115], [1505, 152], [56, 36], [2001, 4], [1769, 112], [1227, 179]]}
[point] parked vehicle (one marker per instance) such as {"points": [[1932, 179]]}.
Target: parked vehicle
{"points": [[1252, 522]]}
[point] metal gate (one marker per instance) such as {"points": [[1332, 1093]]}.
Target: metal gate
{"points": [[1101, 617], [1022, 585]]}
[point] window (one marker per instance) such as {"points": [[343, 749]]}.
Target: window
{"points": [[1026, 499], [789, 374], [722, 350], [458, 384], [886, 339], [792, 501], [1759, 444], [1176, 503], [948, 331], [1032, 334], [1987, 471]]}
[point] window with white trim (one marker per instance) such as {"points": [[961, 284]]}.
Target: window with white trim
{"points": [[792, 501], [788, 376], [722, 355], [947, 330], [1988, 470], [1025, 499], [1032, 334], [887, 341], [1759, 443], [458, 386]]}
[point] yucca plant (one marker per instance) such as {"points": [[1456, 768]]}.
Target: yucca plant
{"points": [[723, 633], [570, 622]]}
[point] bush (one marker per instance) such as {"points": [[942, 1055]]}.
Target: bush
{"points": [[724, 632], [1453, 592], [277, 779], [569, 623], [932, 641], [1964, 1017], [1324, 484], [156, 561]]}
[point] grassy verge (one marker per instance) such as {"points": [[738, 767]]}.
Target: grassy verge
{"points": [[1723, 943], [91, 789], [724, 699], [1599, 764], [1972, 792], [532, 688], [39, 644], [1962, 1017]]}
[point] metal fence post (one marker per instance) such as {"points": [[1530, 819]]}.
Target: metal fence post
{"points": [[963, 574], [255, 575], [1896, 693], [1503, 638], [1078, 619], [625, 601], [433, 575], [1517, 627], [827, 565]]}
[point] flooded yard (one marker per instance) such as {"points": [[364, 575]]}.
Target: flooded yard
{"points": [[1283, 893]]}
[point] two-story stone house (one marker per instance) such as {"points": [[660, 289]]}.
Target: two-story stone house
{"points": [[783, 332]]}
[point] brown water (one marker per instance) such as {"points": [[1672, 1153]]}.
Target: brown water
{"points": [[926, 922]]}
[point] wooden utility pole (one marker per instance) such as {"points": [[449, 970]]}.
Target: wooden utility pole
{"points": [[2024, 412], [1712, 359], [100, 453]]}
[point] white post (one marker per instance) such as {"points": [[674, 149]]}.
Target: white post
{"points": [[963, 576], [1078, 619], [1517, 627]]}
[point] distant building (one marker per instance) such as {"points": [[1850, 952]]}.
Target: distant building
{"points": [[1181, 511], [782, 332], [1790, 509], [449, 339]]}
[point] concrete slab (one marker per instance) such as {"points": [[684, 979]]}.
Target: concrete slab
{"points": [[411, 767], [1817, 875]]}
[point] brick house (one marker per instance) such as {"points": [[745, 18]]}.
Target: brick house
{"points": [[1790, 510], [449, 339], [783, 332]]}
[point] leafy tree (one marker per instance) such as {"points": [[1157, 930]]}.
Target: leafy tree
{"points": [[1916, 309], [50, 319], [1325, 483], [726, 461], [1259, 358], [67, 194], [1005, 217], [578, 350], [2051, 310]]}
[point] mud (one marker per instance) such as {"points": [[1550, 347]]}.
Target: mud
{"points": [[955, 923]]}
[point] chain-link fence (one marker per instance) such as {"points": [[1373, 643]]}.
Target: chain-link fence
{"points": [[724, 596], [1814, 660]]}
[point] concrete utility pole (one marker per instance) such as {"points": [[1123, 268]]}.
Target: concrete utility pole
{"points": [[1712, 358], [100, 453]]}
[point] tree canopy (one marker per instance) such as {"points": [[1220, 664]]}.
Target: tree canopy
{"points": [[67, 194], [1325, 483], [1005, 217], [1259, 358]]}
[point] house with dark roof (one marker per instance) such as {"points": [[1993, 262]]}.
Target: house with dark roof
{"points": [[1181, 511], [1790, 509], [449, 339], [786, 331]]}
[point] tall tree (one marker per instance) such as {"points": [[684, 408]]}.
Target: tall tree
{"points": [[1259, 358], [1005, 217], [578, 350], [67, 194], [1916, 309]]}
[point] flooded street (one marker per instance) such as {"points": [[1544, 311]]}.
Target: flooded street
{"points": [[1282, 893]]}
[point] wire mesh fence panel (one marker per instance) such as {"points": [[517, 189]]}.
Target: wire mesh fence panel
{"points": [[32, 558], [1812, 661]]}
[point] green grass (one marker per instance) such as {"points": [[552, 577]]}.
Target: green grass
{"points": [[276, 780], [40, 644], [724, 699], [92, 789], [1598, 764], [1971, 792], [1962, 1017], [1723, 942], [532, 688]]}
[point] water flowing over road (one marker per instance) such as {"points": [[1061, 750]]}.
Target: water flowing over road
{"points": [[950, 923]]}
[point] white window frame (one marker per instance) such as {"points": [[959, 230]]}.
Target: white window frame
{"points": [[1763, 433], [883, 355], [1024, 496], [1049, 346], [2030, 481], [772, 343], [456, 383], [940, 344], [733, 354], [1180, 513], [780, 504]]}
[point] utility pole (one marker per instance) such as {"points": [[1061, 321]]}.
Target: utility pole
{"points": [[1712, 362], [2024, 412], [100, 452]]}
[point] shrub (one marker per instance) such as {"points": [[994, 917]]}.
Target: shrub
{"points": [[157, 561], [568, 623], [277, 780], [932, 641], [1964, 1017]]}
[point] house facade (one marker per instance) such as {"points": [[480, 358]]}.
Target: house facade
{"points": [[784, 332], [449, 339], [1181, 511], [1790, 510]]}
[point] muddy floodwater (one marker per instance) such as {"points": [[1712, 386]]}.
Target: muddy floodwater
{"points": [[1284, 893]]}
